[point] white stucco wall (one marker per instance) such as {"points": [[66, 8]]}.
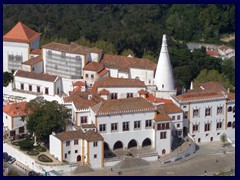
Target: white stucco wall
{"points": [[25, 67], [55, 146], [72, 157], [162, 144], [7, 121], [90, 81], [14, 48], [38, 68], [97, 150], [144, 75]]}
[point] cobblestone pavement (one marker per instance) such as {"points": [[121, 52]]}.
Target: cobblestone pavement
{"points": [[210, 158]]}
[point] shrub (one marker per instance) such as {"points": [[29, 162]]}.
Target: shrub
{"points": [[26, 145], [40, 149], [44, 158], [33, 152]]}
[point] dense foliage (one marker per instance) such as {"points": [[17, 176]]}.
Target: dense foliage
{"points": [[134, 29], [46, 117], [7, 78]]}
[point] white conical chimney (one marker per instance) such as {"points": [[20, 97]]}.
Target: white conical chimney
{"points": [[164, 76]]}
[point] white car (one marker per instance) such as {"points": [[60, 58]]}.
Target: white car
{"points": [[12, 160]]}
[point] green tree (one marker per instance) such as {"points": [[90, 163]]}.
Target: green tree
{"points": [[7, 78], [46, 117], [212, 75]]}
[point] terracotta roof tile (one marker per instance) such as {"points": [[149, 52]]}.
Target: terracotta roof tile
{"points": [[21, 33], [104, 92], [142, 92], [36, 51], [16, 109], [81, 101], [223, 48], [231, 96], [37, 76], [213, 86], [151, 98], [104, 71], [171, 108], [88, 126], [33, 61], [93, 66], [212, 53], [119, 82], [91, 135], [117, 106], [162, 117], [73, 48], [78, 83], [124, 63]]}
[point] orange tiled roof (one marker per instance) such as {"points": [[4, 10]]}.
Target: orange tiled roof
{"points": [[231, 96], [223, 48], [104, 92], [73, 48], [37, 76], [213, 86], [170, 108], [78, 83], [90, 135], [151, 98], [88, 126], [124, 63], [16, 109], [162, 117], [212, 53], [21, 33], [33, 61], [93, 66], [142, 92], [116, 106], [81, 101], [119, 82], [104, 71], [36, 51]]}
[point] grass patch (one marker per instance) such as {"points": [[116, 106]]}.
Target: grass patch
{"points": [[44, 158], [32, 152]]}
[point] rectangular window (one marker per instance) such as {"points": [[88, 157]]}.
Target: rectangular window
{"points": [[195, 128], [208, 112], [95, 144], [196, 113], [185, 115], [95, 156], [163, 135], [179, 133], [178, 125], [148, 123], [219, 110], [207, 127], [114, 126], [67, 143], [219, 125], [65, 155], [113, 95], [30, 87], [86, 75], [178, 117], [32, 68], [46, 90], [129, 95], [38, 89], [102, 127], [76, 151], [137, 124], [69, 152], [21, 130], [173, 117], [125, 126], [76, 142], [22, 86], [92, 76], [84, 119]]}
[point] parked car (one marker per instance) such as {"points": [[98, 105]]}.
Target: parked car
{"points": [[33, 173], [12, 160], [7, 158]]}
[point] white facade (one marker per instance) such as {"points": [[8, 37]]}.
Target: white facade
{"points": [[90, 77], [145, 75], [14, 53]]}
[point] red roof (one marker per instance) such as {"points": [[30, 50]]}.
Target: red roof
{"points": [[223, 48], [36, 51], [104, 92], [213, 53], [16, 109], [78, 83], [152, 98], [21, 33], [142, 92], [104, 71], [33, 61], [93, 66]]}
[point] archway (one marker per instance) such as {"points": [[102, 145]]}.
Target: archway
{"points": [[78, 158], [229, 108], [132, 143], [211, 139], [118, 145], [106, 147], [163, 151], [229, 124], [146, 142], [199, 140]]}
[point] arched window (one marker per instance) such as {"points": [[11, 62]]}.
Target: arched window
{"points": [[163, 151], [229, 108], [229, 124]]}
